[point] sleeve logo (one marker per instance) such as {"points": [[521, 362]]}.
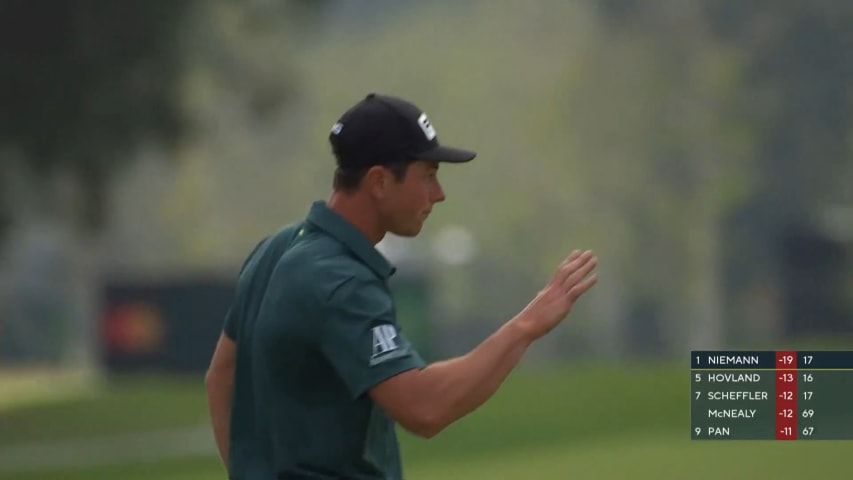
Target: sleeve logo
{"points": [[385, 344]]}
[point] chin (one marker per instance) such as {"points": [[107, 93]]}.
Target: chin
{"points": [[409, 232]]}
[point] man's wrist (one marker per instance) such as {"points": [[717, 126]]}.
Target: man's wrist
{"points": [[521, 328]]}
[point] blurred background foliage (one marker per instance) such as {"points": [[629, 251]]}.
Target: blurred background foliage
{"points": [[688, 142], [702, 148]]}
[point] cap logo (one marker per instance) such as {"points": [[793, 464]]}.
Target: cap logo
{"points": [[427, 127], [336, 128]]}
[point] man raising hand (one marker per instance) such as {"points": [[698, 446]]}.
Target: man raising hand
{"points": [[312, 372]]}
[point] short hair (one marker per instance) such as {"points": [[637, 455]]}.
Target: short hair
{"points": [[348, 178]]}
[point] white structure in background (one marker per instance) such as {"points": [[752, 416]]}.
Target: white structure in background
{"points": [[454, 245], [836, 221], [396, 249]]}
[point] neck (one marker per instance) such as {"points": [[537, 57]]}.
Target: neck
{"points": [[355, 209]]}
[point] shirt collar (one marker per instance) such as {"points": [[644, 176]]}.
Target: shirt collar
{"points": [[333, 224]]}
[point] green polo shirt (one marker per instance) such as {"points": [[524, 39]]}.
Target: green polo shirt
{"points": [[314, 324]]}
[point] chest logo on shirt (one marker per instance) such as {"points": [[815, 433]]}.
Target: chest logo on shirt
{"points": [[384, 341]]}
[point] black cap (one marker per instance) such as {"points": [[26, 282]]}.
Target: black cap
{"points": [[381, 129]]}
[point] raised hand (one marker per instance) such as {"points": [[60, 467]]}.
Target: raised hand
{"points": [[572, 279]]}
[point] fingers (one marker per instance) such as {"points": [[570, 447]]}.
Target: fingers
{"points": [[585, 266], [570, 265], [580, 288], [575, 254], [560, 274]]}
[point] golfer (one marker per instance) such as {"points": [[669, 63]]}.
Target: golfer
{"points": [[311, 373]]}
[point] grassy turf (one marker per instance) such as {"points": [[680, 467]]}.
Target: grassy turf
{"points": [[631, 457], [652, 457], [181, 469], [543, 407], [572, 422], [127, 405]]}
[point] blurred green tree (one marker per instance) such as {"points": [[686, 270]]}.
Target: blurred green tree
{"points": [[799, 72], [656, 116], [83, 82], [793, 103], [86, 83]]}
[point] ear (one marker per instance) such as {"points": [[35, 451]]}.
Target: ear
{"points": [[375, 181]]}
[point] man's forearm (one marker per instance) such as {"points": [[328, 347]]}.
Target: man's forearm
{"points": [[454, 388], [220, 387]]}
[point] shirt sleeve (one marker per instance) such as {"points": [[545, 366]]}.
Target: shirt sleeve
{"points": [[230, 327], [232, 319], [361, 339]]}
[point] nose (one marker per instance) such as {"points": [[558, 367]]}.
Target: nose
{"points": [[438, 195]]}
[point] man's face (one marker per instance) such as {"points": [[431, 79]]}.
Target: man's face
{"points": [[408, 203]]}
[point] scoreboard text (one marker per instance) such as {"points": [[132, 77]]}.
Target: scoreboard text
{"points": [[771, 395]]}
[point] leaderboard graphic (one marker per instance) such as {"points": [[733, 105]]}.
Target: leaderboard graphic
{"points": [[771, 395]]}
